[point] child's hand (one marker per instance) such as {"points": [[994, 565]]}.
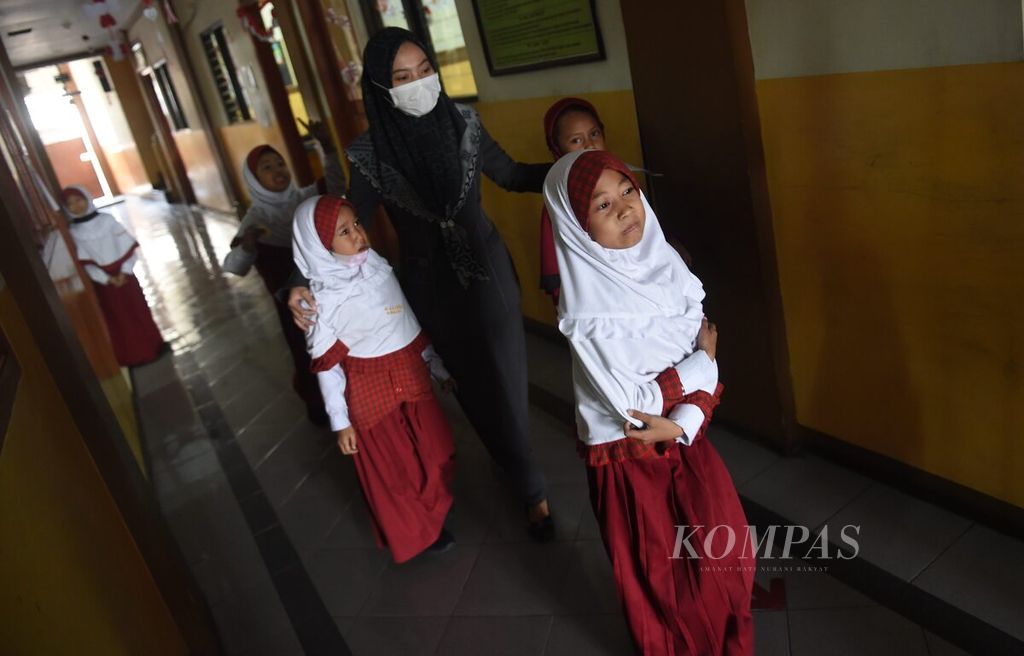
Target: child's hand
{"points": [[449, 386], [117, 280], [319, 131], [707, 338], [656, 428], [250, 236], [347, 441], [303, 316]]}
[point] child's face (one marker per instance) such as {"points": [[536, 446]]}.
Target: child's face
{"points": [[349, 235], [616, 212], [578, 130], [77, 204], [272, 172]]}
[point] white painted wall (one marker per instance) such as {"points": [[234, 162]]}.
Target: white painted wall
{"points": [[792, 38]]}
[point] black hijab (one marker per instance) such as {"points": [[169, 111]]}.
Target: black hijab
{"points": [[425, 149]]}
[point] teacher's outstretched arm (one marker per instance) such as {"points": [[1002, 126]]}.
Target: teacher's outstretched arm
{"points": [[505, 171]]}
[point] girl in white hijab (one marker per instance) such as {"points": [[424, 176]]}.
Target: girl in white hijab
{"points": [[646, 382], [264, 239], [374, 364], [108, 253]]}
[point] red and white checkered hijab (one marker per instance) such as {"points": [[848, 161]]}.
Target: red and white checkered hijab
{"points": [[627, 287], [337, 284]]}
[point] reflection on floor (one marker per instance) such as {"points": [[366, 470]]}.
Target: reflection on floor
{"points": [[279, 552]]}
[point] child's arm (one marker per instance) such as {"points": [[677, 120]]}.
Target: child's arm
{"points": [[96, 274], [437, 369], [332, 387]]}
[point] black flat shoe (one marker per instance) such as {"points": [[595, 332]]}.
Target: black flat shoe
{"points": [[444, 542], [542, 530]]}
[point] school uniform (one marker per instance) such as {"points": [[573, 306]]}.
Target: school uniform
{"points": [[272, 212], [631, 317], [106, 249], [374, 364]]}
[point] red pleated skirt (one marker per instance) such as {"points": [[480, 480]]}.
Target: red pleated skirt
{"points": [[134, 334], [677, 606], [406, 468]]}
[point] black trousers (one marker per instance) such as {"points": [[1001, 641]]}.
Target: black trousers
{"points": [[479, 334]]}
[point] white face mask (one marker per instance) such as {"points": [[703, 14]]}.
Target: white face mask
{"points": [[417, 98], [352, 260]]}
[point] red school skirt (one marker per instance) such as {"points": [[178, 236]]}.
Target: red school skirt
{"points": [[133, 333], [406, 456], [675, 606]]}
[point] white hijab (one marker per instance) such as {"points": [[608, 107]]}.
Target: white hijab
{"points": [[629, 314], [101, 239], [360, 305], [272, 210]]}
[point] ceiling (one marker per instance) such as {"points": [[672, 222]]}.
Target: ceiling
{"points": [[58, 28]]}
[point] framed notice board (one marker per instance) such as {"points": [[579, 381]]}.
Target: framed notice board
{"points": [[526, 35]]}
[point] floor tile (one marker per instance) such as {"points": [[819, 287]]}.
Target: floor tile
{"points": [[872, 631], [981, 574], [743, 457], [427, 585], [804, 490], [939, 647], [345, 577], [589, 586], [899, 533], [594, 635], [391, 636], [495, 636], [567, 503], [516, 579], [771, 633]]}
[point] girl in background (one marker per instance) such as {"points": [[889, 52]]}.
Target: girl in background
{"points": [[646, 381], [264, 239], [107, 251]]}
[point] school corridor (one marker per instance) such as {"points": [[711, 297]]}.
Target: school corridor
{"points": [[270, 518], [843, 178]]}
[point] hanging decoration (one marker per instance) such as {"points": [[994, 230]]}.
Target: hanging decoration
{"points": [[253, 25]]}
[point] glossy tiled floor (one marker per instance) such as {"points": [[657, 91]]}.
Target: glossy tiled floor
{"points": [[279, 552]]}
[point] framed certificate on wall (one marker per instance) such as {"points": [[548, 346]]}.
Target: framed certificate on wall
{"points": [[526, 35]]}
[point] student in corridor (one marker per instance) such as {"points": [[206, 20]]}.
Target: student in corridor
{"points": [[422, 158], [108, 253], [645, 380], [264, 240]]}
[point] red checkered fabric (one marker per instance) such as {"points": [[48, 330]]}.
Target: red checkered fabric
{"points": [[583, 178], [629, 449], [377, 386], [252, 160], [325, 217], [334, 355], [555, 112]]}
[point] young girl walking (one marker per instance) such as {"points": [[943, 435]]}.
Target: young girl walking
{"points": [[646, 382], [107, 251], [264, 239], [374, 365]]}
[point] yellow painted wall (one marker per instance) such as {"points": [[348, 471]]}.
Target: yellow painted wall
{"points": [[518, 125], [899, 223], [73, 581]]}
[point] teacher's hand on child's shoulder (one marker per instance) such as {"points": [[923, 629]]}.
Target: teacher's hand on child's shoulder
{"points": [[347, 441], [707, 338], [655, 429], [303, 307]]}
